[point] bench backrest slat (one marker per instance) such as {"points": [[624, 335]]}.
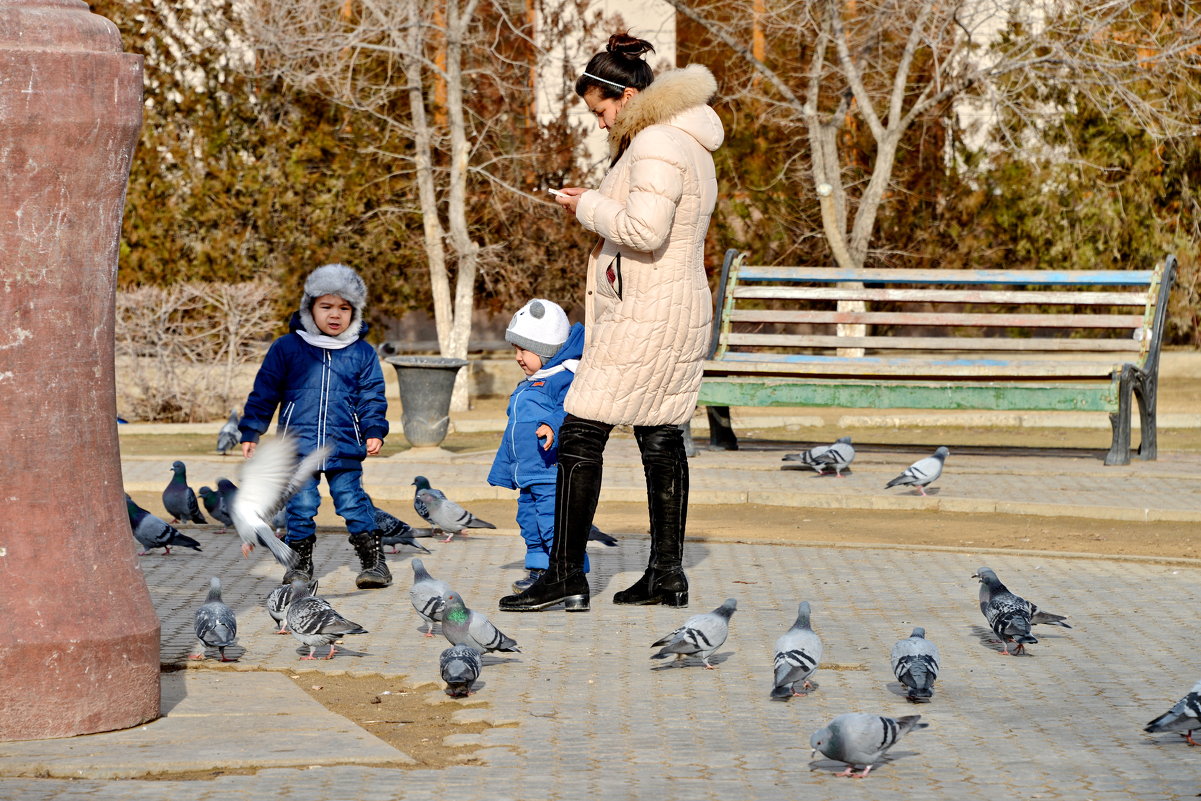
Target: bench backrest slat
{"points": [[1129, 322], [832, 275], [1042, 344], [1060, 298]]}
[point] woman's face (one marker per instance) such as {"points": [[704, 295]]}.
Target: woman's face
{"points": [[606, 108]]}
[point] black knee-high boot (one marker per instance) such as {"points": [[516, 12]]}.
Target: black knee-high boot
{"points": [[666, 466], [577, 488]]}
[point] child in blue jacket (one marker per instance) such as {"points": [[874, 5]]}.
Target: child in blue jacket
{"points": [[547, 350], [329, 388]]}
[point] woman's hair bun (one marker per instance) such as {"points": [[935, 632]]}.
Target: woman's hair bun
{"points": [[631, 47]]}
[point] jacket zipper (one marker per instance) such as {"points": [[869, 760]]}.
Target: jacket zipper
{"points": [[288, 415], [323, 412]]}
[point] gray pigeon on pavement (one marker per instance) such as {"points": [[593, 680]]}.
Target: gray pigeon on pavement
{"points": [[923, 472], [798, 653], [810, 457], [178, 498], [839, 456], [278, 601], [700, 635], [269, 478], [857, 738], [1184, 717], [596, 535], [441, 512], [461, 666], [915, 664], [395, 531], [1010, 616], [428, 596], [215, 624], [214, 504], [153, 532], [463, 626], [228, 436], [314, 622]]}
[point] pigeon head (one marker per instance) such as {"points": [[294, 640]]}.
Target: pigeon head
{"points": [[918, 631], [820, 740], [214, 590], [456, 610], [205, 492], [421, 483], [802, 615], [844, 440], [419, 569], [988, 578], [177, 467], [302, 589], [225, 485], [942, 453], [727, 609]]}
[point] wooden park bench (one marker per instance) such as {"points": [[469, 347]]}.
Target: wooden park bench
{"points": [[1030, 340]]}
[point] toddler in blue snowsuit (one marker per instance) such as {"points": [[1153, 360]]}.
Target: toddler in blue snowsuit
{"points": [[547, 350], [329, 388]]}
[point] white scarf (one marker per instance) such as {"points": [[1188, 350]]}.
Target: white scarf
{"points": [[566, 364], [325, 341]]}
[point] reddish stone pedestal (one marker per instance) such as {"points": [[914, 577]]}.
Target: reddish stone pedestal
{"points": [[82, 647]]}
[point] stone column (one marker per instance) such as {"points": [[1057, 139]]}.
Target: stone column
{"points": [[81, 645]]}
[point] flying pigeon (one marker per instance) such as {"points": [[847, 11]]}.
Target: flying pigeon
{"points": [[1010, 615], [861, 739], [923, 472], [314, 622], [228, 436], [214, 504], [395, 531], [810, 457], [700, 635], [441, 512], [839, 456], [596, 535], [1183, 717], [915, 664], [278, 601], [178, 498], [152, 532], [463, 626], [798, 653], [216, 626], [428, 595], [269, 478], [461, 666]]}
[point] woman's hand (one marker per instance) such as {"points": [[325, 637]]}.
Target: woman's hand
{"points": [[570, 198], [373, 446], [545, 431]]}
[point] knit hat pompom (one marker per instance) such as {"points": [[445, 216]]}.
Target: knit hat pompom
{"points": [[540, 327], [339, 280]]}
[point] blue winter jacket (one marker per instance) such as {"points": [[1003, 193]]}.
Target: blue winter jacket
{"points": [[324, 396], [520, 460]]}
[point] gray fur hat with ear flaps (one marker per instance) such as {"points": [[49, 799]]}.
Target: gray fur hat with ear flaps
{"points": [[334, 279]]}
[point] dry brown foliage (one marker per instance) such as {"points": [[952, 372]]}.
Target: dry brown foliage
{"points": [[184, 350]]}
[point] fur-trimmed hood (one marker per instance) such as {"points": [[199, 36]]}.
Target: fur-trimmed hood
{"points": [[679, 98], [334, 279]]}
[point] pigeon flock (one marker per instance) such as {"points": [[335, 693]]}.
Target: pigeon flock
{"points": [[858, 740], [838, 457]]}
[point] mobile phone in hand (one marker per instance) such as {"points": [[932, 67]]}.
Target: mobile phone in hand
{"points": [[557, 193]]}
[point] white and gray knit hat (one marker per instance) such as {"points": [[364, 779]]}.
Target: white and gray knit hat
{"points": [[334, 279], [539, 326]]}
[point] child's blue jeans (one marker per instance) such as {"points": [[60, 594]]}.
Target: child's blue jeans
{"points": [[350, 502], [536, 518]]}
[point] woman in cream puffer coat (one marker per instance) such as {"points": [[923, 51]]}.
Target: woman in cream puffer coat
{"points": [[648, 312]]}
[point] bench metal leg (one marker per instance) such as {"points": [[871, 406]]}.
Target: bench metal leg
{"points": [[721, 432], [1119, 450], [1145, 392]]}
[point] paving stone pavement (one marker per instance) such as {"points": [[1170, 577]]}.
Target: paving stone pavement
{"points": [[598, 719], [975, 480]]}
